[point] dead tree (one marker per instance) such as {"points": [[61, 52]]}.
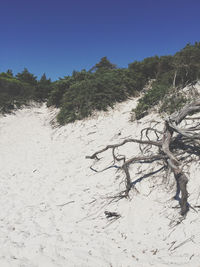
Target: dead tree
{"points": [[176, 146]]}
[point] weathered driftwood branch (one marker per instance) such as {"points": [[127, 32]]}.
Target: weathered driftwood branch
{"points": [[147, 142], [176, 146]]}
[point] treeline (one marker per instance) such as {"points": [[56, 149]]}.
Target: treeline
{"points": [[103, 85], [19, 90], [172, 74]]}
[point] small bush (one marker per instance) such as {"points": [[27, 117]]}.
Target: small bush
{"points": [[151, 98], [101, 91], [172, 103], [14, 94]]}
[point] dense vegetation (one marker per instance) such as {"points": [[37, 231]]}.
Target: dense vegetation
{"points": [[103, 85], [19, 90], [175, 72]]}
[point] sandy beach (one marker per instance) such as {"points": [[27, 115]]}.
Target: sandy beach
{"points": [[53, 204]]}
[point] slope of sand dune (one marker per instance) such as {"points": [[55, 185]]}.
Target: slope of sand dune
{"points": [[53, 204]]}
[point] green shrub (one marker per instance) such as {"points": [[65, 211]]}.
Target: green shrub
{"points": [[99, 92], [178, 70], [14, 93], [159, 89], [173, 103]]}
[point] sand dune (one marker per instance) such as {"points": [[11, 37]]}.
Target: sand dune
{"points": [[52, 204]]}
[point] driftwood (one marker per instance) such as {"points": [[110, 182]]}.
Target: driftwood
{"points": [[112, 215], [176, 148]]}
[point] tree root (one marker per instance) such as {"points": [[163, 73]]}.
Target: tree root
{"points": [[176, 146]]}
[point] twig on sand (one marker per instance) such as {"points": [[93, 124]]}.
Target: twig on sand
{"points": [[113, 215], [61, 205], [182, 243]]}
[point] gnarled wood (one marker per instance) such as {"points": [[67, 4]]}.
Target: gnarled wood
{"points": [[175, 145]]}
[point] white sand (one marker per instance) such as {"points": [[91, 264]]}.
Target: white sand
{"points": [[52, 204]]}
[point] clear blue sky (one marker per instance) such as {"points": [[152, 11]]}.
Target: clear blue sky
{"points": [[59, 36]]}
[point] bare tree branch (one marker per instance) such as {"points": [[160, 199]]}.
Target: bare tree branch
{"points": [[176, 148]]}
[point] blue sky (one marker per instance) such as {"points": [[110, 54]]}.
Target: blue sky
{"points": [[59, 36]]}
